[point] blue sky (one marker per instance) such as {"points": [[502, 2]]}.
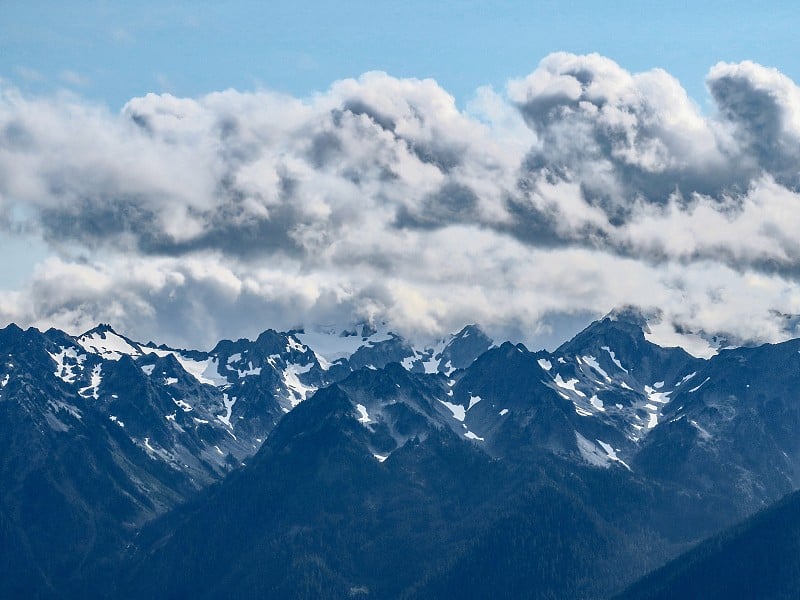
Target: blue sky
{"points": [[111, 51]]}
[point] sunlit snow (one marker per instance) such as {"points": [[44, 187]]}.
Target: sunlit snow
{"points": [[568, 385], [204, 371], [459, 413], [300, 391], [612, 454], [363, 415], [592, 362], [64, 371], [473, 400], [92, 388], [614, 357], [329, 345], [228, 403], [694, 389], [108, 344]]}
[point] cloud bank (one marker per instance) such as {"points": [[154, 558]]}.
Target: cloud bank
{"points": [[576, 189]]}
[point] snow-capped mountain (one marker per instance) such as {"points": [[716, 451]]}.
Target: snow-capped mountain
{"points": [[205, 412], [506, 453], [109, 433]]}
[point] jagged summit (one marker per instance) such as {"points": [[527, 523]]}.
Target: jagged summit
{"points": [[105, 341], [100, 328], [114, 433], [635, 315]]}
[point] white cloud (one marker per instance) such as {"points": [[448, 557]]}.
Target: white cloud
{"points": [[582, 187]]}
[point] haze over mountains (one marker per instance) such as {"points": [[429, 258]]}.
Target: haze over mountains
{"points": [[350, 463]]}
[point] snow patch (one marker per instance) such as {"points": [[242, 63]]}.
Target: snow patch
{"points": [[592, 362], [107, 344], [658, 397], [568, 385], [431, 366], [293, 344], [247, 372], [545, 364], [92, 388], [612, 454], [64, 371], [363, 415], [329, 346], [299, 390], [157, 351], [204, 371], [459, 414], [228, 404], [184, 406], [591, 453], [663, 334], [408, 362], [614, 358], [694, 389]]}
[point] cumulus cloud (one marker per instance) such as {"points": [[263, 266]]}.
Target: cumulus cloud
{"points": [[580, 187]]}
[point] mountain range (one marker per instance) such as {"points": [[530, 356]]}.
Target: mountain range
{"points": [[336, 463]]}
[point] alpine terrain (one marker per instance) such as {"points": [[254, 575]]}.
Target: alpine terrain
{"points": [[348, 462]]}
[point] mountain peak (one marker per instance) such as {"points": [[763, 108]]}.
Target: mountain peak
{"points": [[627, 325], [104, 341], [12, 328], [468, 330], [463, 348], [101, 328], [635, 315]]}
